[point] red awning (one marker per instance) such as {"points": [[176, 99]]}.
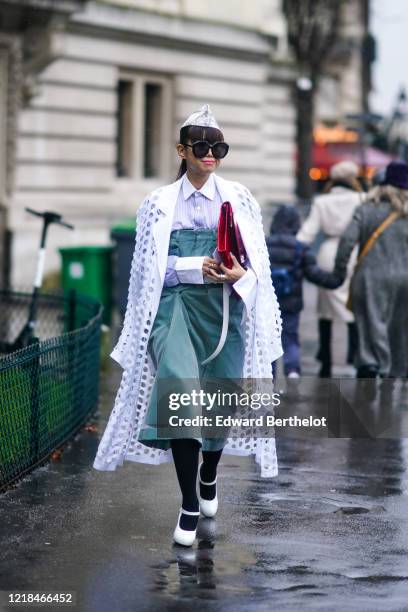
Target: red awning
{"points": [[324, 156]]}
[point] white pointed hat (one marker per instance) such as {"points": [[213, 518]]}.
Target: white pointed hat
{"points": [[202, 118]]}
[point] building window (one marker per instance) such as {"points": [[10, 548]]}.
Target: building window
{"points": [[152, 131], [143, 126], [123, 158]]}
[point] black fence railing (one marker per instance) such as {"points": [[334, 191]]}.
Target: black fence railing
{"points": [[49, 388]]}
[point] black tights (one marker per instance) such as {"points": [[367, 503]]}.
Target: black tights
{"points": [[185, 454]]}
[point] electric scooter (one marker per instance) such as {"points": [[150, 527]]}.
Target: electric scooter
{"points": [[27, 333]]}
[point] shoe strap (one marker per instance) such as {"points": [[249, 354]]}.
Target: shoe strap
{"points": [[205, 483], [190, 513], [208, 483]]}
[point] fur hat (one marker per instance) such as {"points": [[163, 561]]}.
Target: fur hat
{"points": [[344, 170]]}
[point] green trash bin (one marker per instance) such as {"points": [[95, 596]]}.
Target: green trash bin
{"points": [[88, 270], [123, 235], [125, 226]]}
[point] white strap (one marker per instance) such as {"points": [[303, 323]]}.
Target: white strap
{"points": [[207, 484], [202, 482], [225, 320], [188, 512]]}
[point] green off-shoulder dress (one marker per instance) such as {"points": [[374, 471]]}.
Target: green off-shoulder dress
{"points": [[186, 331]]}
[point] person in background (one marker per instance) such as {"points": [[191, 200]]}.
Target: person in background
{"points": [[378, 178], [291, 261], [379, 288], [330, 214]]}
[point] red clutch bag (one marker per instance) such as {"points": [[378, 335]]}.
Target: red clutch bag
{"points": [[229, 238]]}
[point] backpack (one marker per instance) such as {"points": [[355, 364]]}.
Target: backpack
{"points": [[284, 278]]}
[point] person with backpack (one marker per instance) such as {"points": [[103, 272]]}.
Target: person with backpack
{"points": [[291, 261]]}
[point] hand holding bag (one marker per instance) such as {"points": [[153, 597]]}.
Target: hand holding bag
{"points": [[229, 237], [228, 241]]}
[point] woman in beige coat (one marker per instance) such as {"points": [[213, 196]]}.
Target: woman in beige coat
{"points": [[331, 213]]}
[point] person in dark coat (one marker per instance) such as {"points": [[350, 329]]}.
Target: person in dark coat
{"points": [[292, 261]]}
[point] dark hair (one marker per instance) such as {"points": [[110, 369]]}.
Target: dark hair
{"points": [[196, 132]]}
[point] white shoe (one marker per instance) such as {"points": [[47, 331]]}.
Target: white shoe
{"points": [[185, 537], [208, 507], [293, 375]]}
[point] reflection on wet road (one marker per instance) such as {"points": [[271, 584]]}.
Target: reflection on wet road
{"points": [[329, 533]]}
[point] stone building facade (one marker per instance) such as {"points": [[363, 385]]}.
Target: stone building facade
{"points": [[10, 101], [27, 29], [101, 130], [345, 87], [100, 127]]}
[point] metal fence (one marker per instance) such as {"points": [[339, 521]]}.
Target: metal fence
{"points": [[49, 388]]}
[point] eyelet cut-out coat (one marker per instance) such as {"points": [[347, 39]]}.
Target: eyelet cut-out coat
{"points": [[262, 326]]}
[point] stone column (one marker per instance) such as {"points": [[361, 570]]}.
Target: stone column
{"points": [[11, 80]]}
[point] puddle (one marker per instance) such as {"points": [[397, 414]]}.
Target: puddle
{"points": [[352, 510], [320, 505], [379, 578], [199, 572], [299, 587]]}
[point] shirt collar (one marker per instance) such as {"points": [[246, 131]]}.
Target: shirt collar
{"points": [[207, 190]]}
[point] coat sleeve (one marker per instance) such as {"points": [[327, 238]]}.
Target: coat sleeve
{"points": [[134, 288], [311, 226], [170, 277], [268, 328], [246, 287], [316, 275], [184, 270], [351, 236]]}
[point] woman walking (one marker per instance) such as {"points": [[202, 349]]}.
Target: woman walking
{"points": [[174, 328], [379, 287], [330, 214]]}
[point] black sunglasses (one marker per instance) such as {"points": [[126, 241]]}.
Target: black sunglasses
{"points": [[201, 147]]}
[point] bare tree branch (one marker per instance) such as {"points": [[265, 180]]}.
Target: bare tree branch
{"points": [[313, 29]]}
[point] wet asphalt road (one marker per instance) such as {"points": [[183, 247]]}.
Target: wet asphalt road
{"points": [[329, 533]]}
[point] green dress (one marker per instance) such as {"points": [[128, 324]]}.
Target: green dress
{"points": [[186, 330]]}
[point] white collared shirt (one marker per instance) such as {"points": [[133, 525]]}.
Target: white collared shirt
{"points": [[195, 208]]}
